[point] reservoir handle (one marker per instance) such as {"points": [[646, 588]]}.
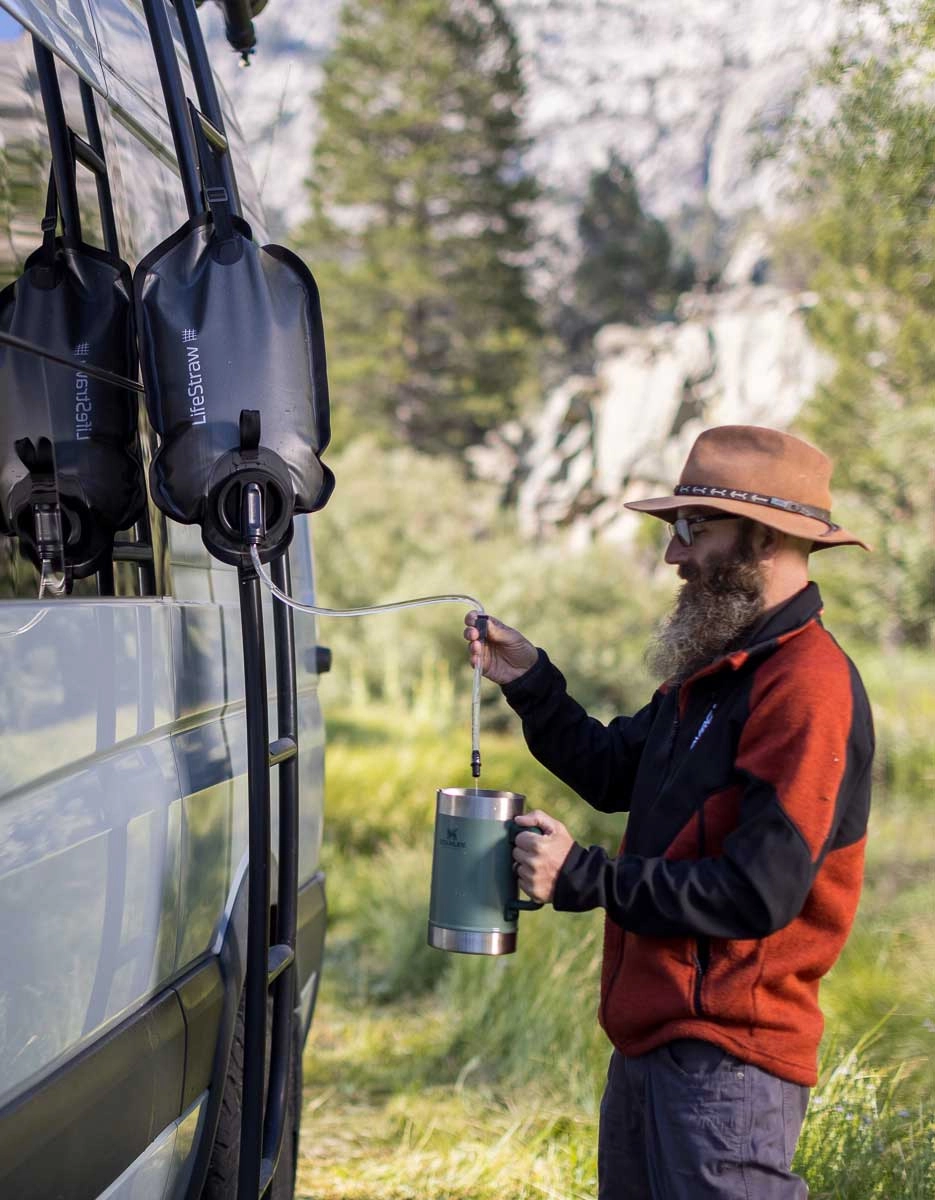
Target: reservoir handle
{"points": [[514, 907]]}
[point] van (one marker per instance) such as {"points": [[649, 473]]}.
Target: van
{"points": [[123, 774]]}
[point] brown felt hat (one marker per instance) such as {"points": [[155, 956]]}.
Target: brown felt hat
{"points": [[771, 477]]}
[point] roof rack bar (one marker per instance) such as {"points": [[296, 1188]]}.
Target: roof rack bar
{"points": [[256, 986], [216, 138], [176, 102], [282, 974], [95, 143], [208, 100], [63, 166], [86, 154]]}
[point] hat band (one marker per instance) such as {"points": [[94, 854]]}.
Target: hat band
{"points": [[790, 506]]}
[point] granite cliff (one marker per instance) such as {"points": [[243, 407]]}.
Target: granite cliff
{"points": [[684, 92]]}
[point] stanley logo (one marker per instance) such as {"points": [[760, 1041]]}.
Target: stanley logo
{"points": [[451, 839]]}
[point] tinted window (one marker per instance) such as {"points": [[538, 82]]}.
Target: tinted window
{"points": [[35, 391]]}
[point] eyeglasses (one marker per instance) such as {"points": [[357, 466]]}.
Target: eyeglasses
{"points": [[683, 526]]}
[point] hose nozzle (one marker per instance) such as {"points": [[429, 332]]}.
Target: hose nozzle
{"points": [[254, 527], [480, 624]]}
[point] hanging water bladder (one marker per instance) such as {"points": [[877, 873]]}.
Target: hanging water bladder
{"points": [[233, 358], [67, 439]]}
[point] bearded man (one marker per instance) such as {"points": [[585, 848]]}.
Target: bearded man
{"points": [[747, 782]]}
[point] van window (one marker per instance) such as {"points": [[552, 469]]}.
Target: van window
{"points": [[25, 162]]}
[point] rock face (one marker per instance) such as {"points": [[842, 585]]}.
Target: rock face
{"points": [[681, 90], [740, 356], [684, 93], [274, 97]]}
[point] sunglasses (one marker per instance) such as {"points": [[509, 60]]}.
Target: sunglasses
{"points": [[683, 526]]}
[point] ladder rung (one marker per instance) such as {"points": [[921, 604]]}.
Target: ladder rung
{"points": [[133, 552], [280, 957], [282, 750]]}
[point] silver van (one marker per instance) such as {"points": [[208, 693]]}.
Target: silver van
{"points": [[123, 793]]}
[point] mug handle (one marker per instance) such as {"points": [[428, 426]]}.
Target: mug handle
{"points": [[514, 907]]}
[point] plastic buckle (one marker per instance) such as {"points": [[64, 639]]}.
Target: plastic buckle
{"points": [[216, 195]]}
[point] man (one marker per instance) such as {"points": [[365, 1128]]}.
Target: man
{"points": [[747, 781]]}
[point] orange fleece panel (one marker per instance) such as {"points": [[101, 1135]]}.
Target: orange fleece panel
{"points": [[795, 737]]}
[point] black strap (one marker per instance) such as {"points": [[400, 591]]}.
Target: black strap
{"points": [[789, 506], [249, 430], [39, 461], [212, 185], [50, 220]]}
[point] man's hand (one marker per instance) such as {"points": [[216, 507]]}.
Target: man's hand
{"points": [[504, 655], [538, 857]]}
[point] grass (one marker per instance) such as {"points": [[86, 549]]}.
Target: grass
{"points": [[449, 1077], [388, 1115]]}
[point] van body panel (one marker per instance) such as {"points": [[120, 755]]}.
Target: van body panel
{"points": [[123, 790]]}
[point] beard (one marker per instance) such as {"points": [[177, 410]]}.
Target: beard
{"points": [[715, 609]]}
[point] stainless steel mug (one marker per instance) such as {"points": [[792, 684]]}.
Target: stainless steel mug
{"points": [[475, 897]]}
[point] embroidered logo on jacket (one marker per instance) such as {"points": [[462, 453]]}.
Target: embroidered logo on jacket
{"points": [[709, 717]]}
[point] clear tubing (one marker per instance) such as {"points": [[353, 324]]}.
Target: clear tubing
{"points": [[51, 582], [475, 723], [30, 624], [385, 608]]}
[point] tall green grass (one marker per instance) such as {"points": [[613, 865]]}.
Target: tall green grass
{"points": [[861, 1140], [445, 1076]]}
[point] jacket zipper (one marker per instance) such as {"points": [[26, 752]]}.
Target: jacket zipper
{"points": [[702, 958], [702, 944], [613, 977], [671, 762]]}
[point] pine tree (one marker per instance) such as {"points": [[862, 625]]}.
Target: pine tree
{"points": [[420, 221], [869, 245], [625, 274]]}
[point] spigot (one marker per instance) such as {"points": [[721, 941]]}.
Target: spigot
{"points": [[254, 526]]}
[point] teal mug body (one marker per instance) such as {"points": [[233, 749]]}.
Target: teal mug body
{"points": [[474, 900]]}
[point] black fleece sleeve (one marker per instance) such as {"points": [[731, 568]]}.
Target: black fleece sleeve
{"points": [[708, 897], [805, 766], [598, 761]]}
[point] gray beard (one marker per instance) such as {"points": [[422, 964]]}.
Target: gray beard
{"points": [[713, 613]]}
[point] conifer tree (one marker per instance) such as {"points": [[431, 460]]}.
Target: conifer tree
{"points": [[868, 246], [625, 275], [420, 223]]}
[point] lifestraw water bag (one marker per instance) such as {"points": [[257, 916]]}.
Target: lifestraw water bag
{"points": [[65, 437], [228, 328]]}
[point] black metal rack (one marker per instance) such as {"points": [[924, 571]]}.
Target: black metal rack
{"points": [[68, 148], [270, 967]]}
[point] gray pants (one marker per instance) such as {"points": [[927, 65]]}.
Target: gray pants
{"points": [[688, 1121]]}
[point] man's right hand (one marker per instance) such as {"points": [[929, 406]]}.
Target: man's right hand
{"points": [[504, 655]]}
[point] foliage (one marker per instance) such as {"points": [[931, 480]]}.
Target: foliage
{"points": [[858, 1142], [410, 525], [447, 1077], [866, 246], [420, 220], [625, 274]]}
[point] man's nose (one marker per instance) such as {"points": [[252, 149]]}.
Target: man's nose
{"points": [[676, 552]]}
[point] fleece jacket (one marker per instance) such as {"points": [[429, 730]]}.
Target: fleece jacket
{"points": [[735, 887]]}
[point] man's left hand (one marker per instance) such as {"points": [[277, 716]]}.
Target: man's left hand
{"points": [[538, 857]]}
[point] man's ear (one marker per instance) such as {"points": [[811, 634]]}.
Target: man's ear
{"points": [[769, 541]]}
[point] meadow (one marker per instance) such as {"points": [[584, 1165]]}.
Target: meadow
{"points": [[444, 1077]]}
